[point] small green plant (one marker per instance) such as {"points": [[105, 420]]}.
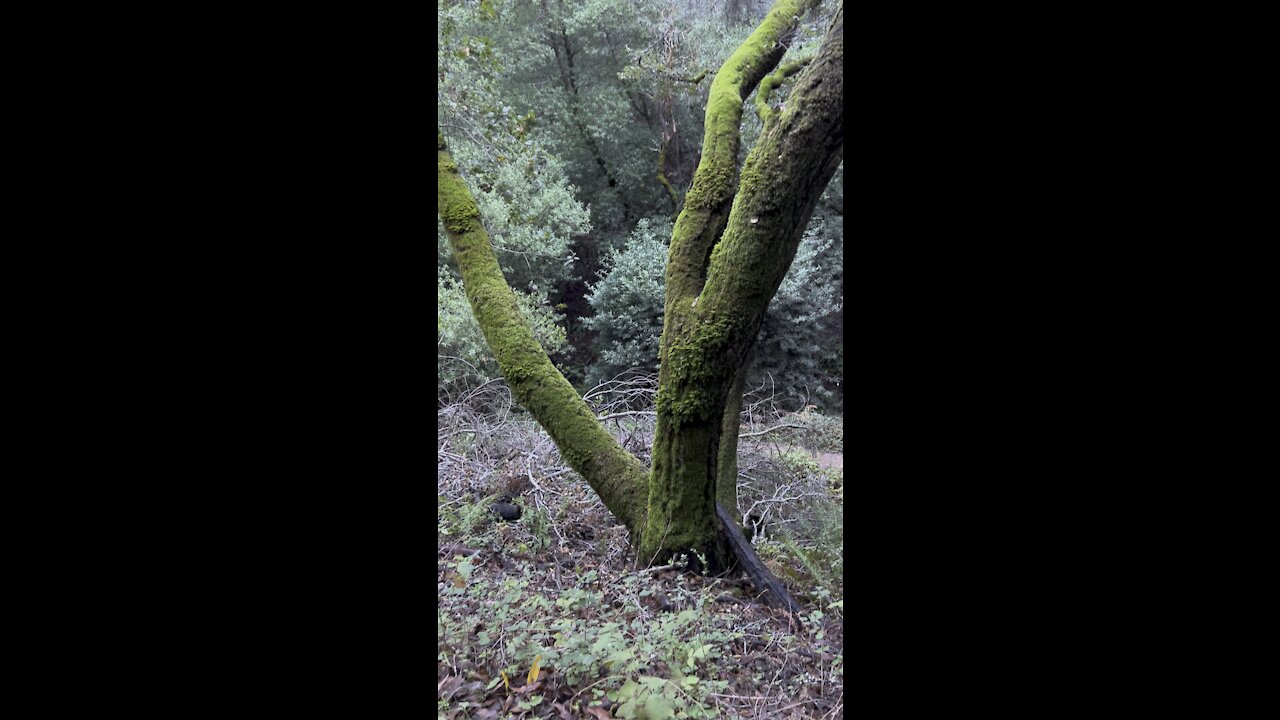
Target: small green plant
{"points": [[473, 516], [799, 462], [539, 524]]}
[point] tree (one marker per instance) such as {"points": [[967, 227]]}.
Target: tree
{"points": [[731, 246], [627, 302], [797, 351]]}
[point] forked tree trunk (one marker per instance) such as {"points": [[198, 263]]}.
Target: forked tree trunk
{"points": [[726, 263], [732, 244]]}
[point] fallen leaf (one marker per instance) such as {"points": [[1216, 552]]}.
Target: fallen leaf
{"points": [[533, 674]]}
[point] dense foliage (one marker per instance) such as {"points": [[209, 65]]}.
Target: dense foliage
{"points": [[578, 126]]}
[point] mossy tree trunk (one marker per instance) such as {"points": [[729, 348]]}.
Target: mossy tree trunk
{"points": [[727, 461], [732, 244], [730, 249]]}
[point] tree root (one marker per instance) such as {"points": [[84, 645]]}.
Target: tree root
{"points": [[775, 594]]}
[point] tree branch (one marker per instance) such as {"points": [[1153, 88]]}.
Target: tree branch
{"points": [[616, 475], [692, 80], [767, 86], [629, 413], [706, 205], [799, 151]]}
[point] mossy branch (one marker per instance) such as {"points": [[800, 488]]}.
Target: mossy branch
{"points": [[617, 476], [799, 150], [706, 205], [769, 84], [695, 79]]}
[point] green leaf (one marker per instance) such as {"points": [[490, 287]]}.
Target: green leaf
{"points": [[620, 657], [657, 707]]}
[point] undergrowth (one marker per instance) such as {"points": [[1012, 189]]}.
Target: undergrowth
{"points": [[549, 615]]}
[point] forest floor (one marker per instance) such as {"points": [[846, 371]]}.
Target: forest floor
{"points": [[826, 460], [551, 615], [611, 640]]}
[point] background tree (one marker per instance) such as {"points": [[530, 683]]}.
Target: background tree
{"points": [[730, 249], [627, 302], [524, 195]]}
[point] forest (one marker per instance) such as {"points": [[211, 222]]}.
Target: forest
{"points": [[640, 358]]}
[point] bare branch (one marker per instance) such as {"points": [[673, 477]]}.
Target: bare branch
{"points": [[611, 416], [769, 430]]}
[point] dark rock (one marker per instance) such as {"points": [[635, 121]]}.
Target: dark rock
{"points": [[506, 510]]}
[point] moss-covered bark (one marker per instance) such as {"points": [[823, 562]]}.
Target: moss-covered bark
{"points": [[769, 84], [727, 458], [616, 475], [782, 179], [704, 344], [707, 203]]}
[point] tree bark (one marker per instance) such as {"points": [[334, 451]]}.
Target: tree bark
{"points": [[729, 252], [727, 462]]}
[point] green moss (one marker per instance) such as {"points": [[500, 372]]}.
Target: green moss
{"points": [[770, 83], [707, 202], [616, 475]]}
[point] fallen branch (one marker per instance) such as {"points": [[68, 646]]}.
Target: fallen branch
{"points": [[774, 592], [452, 550], [611, 416], [769, 430]]}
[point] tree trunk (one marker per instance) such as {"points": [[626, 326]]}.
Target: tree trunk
{"points": [[726, 262], [732, 244], [727, 462]]}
